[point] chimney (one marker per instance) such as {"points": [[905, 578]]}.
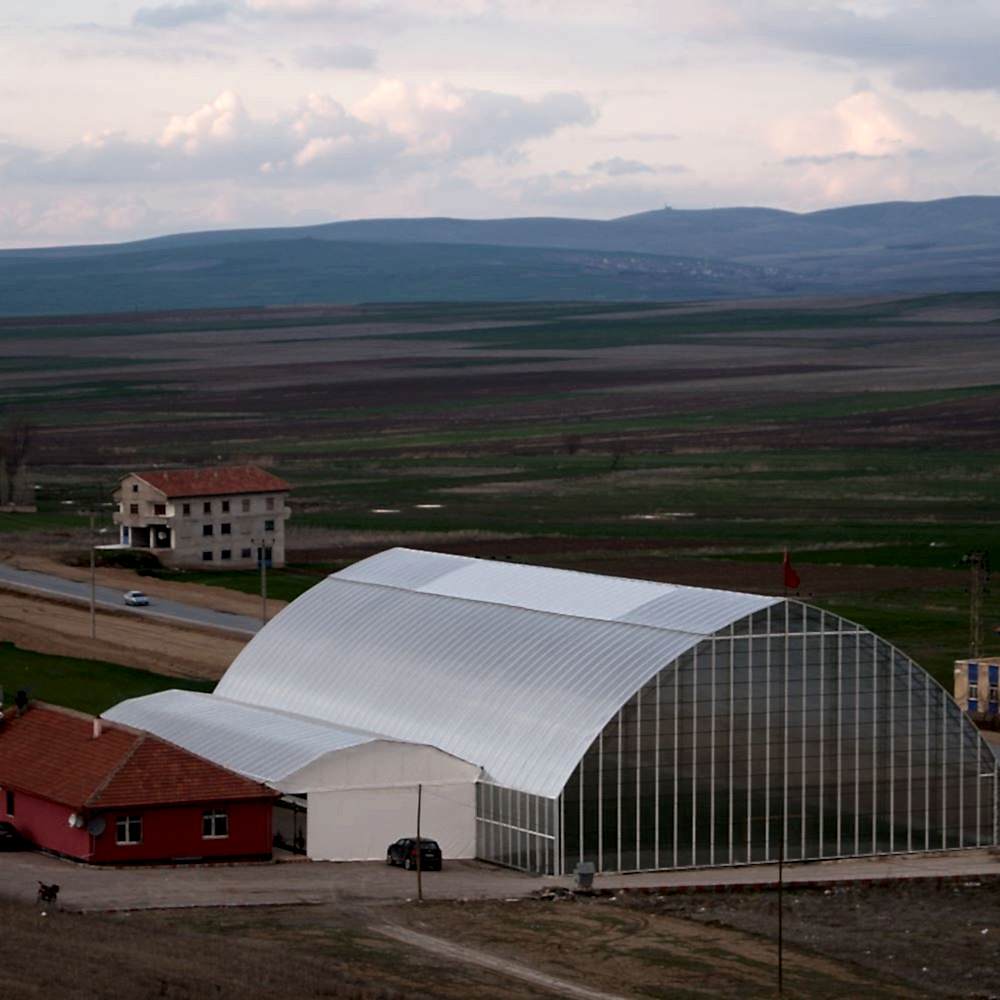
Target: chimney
{"points": [[97, 728]]}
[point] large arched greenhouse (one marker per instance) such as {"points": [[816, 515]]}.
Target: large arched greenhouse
{"points": [[553, 717]]}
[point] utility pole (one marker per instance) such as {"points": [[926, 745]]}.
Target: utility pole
{"points": [[93, 581], [420, 883], [979, 567], [262, 561]]}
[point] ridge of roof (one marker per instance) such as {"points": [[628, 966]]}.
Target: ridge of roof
{"points": [[92, 799], [515, 607]]}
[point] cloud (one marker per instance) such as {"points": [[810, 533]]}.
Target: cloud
{"points": [[617, 166], [336, 57], [395, 128], [180, 15], [925, 45], [871, 126]]}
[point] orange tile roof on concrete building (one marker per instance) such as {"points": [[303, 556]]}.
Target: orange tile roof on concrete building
{"points": [[214, 481], [52, 752]]}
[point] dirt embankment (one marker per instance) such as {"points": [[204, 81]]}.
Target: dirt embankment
{"points": [[199, 595], [63, 628]]}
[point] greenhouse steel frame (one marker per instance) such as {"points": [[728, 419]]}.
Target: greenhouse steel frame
{"points": [[792, 731]]}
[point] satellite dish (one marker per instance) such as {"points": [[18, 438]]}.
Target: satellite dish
{"points": [[96, 826], [72, 819]]}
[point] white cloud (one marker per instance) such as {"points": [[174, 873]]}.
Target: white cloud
{"points": [[395, 128]]}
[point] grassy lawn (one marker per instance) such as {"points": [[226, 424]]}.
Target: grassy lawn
{"points": [[282, 584], [87, 685]]}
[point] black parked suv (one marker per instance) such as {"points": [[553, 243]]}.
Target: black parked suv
{"points": [[404, 852]]}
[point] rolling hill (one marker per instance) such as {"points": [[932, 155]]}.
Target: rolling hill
{"points": [[947, 245]]}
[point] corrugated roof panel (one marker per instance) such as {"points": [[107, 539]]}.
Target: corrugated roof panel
{"points": [[539, 588], [405, 568], [520, 693], [695, 609], [252, 741]]}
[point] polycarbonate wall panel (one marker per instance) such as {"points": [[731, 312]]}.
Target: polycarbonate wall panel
{"points": [[516, 829], [791, 731]]}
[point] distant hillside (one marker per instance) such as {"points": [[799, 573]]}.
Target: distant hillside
{"points": [[949, 245]]}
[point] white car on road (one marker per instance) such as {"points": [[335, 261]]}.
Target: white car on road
{"points": [[136, 598]]}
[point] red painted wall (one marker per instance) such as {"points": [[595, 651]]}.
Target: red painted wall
{"points": [[174, 832], [168, 832], [46, 824]]}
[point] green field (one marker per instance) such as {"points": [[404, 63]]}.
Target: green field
{"points": [[690, 443], [91, 686]]}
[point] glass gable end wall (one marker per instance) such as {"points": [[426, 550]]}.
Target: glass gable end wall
{"points": [[793, 728]]}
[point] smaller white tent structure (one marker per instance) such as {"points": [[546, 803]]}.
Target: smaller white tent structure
{"points": [[361, 788]]}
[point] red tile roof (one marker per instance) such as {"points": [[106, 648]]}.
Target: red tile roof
{"points": [[51, 752], [213, 482]]}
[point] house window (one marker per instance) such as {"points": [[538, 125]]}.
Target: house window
{"points": [[133, 508], [226, 528], [226, 554], [160, 509], [270, 503], [246, 553], [207, 530], [206, 557], [246, 506], [10, 803], [269, 525], [225, 506], [214, 825], [973, 674], [973, 705], [186, 509], [128, 830], [135, 487], [207, 507]]}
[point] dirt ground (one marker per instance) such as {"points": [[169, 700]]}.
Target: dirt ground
{"points": [[63, 628], [453, 951], [942, 940]]}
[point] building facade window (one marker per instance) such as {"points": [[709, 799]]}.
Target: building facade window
{"points": [[206, 556], [246, 553], [207, 507], [226, 528], [160, 509], [133, 508], [225, 506], [214, 824], [124, 534], [245, 503], [128, 830], [186, 508], [207, 530], [973, 705], [269, 525], [270, 503], [226, 554], [135, 487], [10, 802]]}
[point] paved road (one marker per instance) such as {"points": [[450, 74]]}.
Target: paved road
{"points": [[108, 598], [98, 888]]}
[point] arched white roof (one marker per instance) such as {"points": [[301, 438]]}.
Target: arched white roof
{"points": [[513, 668]]}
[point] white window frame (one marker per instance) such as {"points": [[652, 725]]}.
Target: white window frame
{"points": [[212, 817], [125, 823]]}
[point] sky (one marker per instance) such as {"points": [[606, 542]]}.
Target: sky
{"points": [[121, 119]]}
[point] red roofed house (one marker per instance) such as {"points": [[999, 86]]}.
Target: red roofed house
{"points": [[220, 518], [106, 793]]}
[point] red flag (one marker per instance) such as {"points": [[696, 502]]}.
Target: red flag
{"points": [[792, 580]]}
